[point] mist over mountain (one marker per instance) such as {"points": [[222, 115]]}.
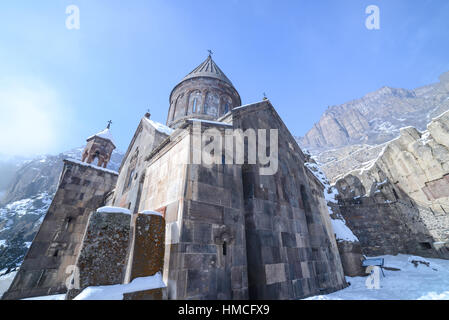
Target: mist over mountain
{"points": [[26, 198]]}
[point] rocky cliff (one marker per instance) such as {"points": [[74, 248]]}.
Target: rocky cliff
{"points": [[410, 180], [377, 117], [348, 135]]}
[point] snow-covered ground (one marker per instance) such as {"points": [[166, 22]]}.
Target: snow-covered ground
{"points": [[112, 292], [410, 283], [5, 281]]}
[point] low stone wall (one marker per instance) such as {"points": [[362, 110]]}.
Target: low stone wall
{"points": [[389, 228], [104, 253], [118, 248]]}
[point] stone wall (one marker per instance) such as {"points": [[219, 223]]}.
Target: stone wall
{"points": [[104, 251], [131, 179], [291, 248], [205, 255], [401, 202], [44, 271], [384, 228]]}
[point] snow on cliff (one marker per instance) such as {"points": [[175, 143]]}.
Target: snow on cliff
{"points": [[341, 230]]}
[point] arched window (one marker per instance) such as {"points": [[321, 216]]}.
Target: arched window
{"points": [[175, 107], [226, 104], [130, 177], [212, 104], [194, 102]]}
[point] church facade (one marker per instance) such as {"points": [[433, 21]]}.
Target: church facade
{"points": [[231, 230]]}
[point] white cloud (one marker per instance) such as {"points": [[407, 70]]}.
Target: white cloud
{"points": [[32, 117]]}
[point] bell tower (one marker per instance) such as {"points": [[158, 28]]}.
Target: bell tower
{"points": [[99, 147]]}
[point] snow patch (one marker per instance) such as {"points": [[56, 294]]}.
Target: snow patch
{"points": [[91, 166], [53, 297], [342, 232], [425, 138], [109, 209], [5, 281], [213, 122], [149, 212], [409, 283], [105, 134], [116, 292], [160, 127]]}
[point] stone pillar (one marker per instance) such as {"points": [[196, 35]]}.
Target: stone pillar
{"points": [[104, 253], [147, 253], [351, 258]]}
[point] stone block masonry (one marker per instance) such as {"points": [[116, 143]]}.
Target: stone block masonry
{"points": [[104, 254], [291, 252], [147, 257], [400, 204], [81, 190]]}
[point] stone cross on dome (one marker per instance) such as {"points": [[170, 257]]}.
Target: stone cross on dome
{"points": [[109, 124], [210, 53]]}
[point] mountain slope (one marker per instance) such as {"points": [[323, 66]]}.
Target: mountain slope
{"points": [[27, 200], [351, 135], [378, 116]]}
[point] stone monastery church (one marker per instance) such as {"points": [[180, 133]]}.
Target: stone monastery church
{"points": [[210, 231]]}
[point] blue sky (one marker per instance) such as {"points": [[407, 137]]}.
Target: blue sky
{"points": [[59, 86]]}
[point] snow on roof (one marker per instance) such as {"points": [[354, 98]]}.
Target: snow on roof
{"points": [[160, 127], [212, 122], [105, 134], [116, 292], [249, 104], [150, 212], [108, 209], [91, 166]]}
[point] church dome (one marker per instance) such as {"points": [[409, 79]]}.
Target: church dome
{"points": [[208, 69], [205, 93]]}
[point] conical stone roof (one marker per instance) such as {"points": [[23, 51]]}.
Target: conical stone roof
{"points": [[208, 69]]}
